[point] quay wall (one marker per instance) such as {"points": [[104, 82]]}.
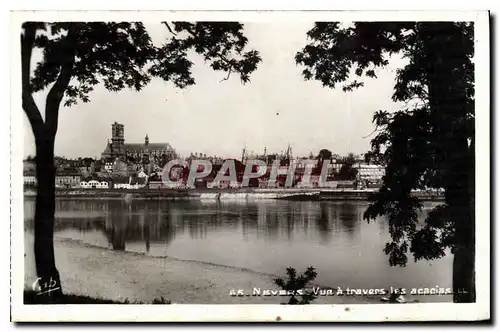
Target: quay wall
{"points": [[226, 194]]}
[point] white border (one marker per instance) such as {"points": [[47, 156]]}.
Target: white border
{"points": [[317, 313], [245, 16]]}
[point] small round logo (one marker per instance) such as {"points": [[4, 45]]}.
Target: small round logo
{"points": [[36, 285]]}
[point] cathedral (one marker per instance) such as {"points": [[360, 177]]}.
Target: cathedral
{"points": [[135, 152]]}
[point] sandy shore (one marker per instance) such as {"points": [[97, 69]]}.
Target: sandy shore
{"points": [[104, 273]]}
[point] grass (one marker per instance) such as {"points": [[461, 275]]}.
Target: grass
{"points": [[31, 297]]}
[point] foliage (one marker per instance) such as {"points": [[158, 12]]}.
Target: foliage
{"points": [[346, 173], [429, 143], [161, 300], [122, 55], [350, 160], [77, 56], [325, 154], [296, 283]]}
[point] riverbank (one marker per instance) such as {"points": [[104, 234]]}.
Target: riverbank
{"points": [[125, 276], [228, 194]]}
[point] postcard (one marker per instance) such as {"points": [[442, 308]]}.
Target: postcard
{"points": [[275, 166]]}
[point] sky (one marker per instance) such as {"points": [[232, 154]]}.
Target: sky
{"points": [[275, 109]]}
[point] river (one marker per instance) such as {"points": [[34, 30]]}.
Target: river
{"points": [[265, 236]]}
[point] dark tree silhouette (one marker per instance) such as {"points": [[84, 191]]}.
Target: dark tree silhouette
{"points": [[296, 283], [347, 172], [350, 159], [271, 158], [325, 154], [428, 143], [77, 56]]}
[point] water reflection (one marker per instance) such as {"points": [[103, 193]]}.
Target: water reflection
{"points": [[323, 223], [266, 236], [348, 216], [160, 221]]}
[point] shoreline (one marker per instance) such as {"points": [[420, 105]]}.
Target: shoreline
{"points": [[125, 276], [118, 276], [313, 194]]}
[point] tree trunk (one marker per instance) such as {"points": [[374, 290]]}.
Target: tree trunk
{"points": [[447, 100], [49, 280], [461, 199], [45, 133], [464, 288]]}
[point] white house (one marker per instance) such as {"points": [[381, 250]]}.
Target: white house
{"points": [[334, 167], [94, 184], [67, 180], [371, 173], [223, 184], [122, 186], [108, 166], [30, 180]]}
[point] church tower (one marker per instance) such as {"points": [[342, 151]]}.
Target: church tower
{"points": [[117, 140]]}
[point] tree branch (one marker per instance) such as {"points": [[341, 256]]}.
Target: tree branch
{"points": [[29, 105], [374, 130], [169, 28], [227, 77], [220, 55], [56, 93]]}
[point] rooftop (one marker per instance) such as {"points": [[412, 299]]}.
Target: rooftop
{"points": [[150, 146]]}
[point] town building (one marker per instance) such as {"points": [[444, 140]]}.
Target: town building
{"points": [[138, 152], [334, 167], [94, 184], [68, 180], [370, 173], [29, 179], [108, 166], [223, 184], [314, 182]]}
